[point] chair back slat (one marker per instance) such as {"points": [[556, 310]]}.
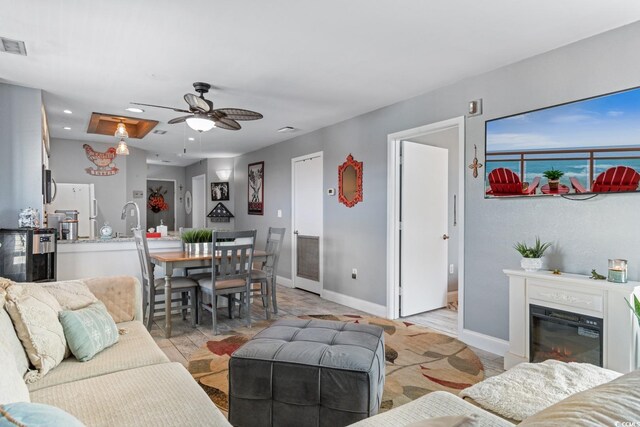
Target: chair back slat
{"points": [[275, 239], [235, 258], [142, 248]]}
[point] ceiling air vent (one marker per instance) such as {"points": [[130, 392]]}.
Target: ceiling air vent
{"points": [[12, 46], [159, 132], [287, 129]]}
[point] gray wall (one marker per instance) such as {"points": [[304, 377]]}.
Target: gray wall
{"points": [[176, 173], [585, 234], [68, 162], [208, 167], [195, 169], [448, 139], [21, 159]]}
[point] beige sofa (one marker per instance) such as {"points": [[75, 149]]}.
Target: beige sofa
{"points": [[131, 383]]}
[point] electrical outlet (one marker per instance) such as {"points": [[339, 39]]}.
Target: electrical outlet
{"points": [[451, 268], [132, 213], [279, 213], [354, 273]]}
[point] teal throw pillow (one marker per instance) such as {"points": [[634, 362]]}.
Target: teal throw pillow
{"points": [[89, 330], [35, 415]]}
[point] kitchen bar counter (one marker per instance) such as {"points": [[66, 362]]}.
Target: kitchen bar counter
{"points": [[107, 257]]}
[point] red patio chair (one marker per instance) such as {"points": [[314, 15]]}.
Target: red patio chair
{"points": [[613, 180], [505, 182]]}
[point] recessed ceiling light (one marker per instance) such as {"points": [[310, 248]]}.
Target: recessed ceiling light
{"points": [[66, 128], [191, 139], [287, 129], [135, 110], [68, 112]]}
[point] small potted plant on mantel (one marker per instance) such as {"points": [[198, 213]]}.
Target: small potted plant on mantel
{"points": [[532, 255], [553, 175]]}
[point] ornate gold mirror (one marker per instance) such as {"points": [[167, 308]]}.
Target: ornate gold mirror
{"points": [[350, 182]]}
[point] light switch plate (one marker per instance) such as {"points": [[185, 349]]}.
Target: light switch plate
{"points": [[137, 194]]}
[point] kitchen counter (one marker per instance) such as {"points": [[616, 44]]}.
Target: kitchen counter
{"points": [[107, 257], [169, 238]]}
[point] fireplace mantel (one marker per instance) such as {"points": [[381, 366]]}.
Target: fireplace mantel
{"points": [[577, 294]]}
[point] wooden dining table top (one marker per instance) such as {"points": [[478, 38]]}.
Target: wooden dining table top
{"points": [[177, 256]]}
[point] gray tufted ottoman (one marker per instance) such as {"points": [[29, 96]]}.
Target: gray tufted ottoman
{"points": [[307, 373]]}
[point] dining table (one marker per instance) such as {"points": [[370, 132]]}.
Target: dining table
{"points": [[173, 260]]}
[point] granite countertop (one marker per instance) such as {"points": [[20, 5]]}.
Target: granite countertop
{"points": [[170, 237]]}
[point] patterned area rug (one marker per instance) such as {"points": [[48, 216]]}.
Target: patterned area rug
{"points": [[418, 361]]}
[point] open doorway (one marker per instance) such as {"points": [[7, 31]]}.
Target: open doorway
{"points": [[426, 225], [161, 203], [199, 203]]}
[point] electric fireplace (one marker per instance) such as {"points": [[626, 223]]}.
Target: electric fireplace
{"points": [[565, 336]]}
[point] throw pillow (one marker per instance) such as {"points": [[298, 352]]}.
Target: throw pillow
{"points": [[12, 386], [35, 415], [449, 421], [512, 394], [34, 313], [70, 294], [89, 330], [10, 338]]}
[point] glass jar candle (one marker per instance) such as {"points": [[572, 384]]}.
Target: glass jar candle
{"points": [[617, 271]]}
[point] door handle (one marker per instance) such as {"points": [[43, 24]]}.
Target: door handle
{"points": [[445, 237], [295, 232]]}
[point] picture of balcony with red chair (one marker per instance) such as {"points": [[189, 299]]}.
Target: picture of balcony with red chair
{"points": [[590, 146]]}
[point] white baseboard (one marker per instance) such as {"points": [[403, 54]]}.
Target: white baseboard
{"points": [[452, 296], [484, 342], [358, 304], [284, 281]]}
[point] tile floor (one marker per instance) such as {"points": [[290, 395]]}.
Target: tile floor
{"points": [[294, 302]]}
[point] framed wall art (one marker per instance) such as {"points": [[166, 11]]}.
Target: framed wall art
{"points": [[219, 191], [255, 188]]}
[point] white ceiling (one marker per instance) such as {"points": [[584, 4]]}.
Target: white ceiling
{"points": [[306, 64]]}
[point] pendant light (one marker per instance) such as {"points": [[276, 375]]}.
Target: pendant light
{"points": [[121, 132]]}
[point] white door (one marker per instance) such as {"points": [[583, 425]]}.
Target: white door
{"points": [[199, 202], [424, 213], [307, 222]]}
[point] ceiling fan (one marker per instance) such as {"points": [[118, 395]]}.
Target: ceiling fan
{"points": [[202, 117]]}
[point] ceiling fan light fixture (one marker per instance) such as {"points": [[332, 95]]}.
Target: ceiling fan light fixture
{"points": [[122, 149], [200, 123], [121, 131]]}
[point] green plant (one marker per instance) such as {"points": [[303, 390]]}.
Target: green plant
{"points": [[535, 251], [202, 235], [635, 308], [553, 174]]}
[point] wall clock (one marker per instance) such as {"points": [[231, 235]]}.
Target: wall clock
{"points": [[187, 202]]}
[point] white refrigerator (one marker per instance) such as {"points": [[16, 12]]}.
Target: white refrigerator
{"points": [[80, 197]]}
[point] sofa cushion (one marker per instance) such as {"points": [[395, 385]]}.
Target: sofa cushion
{"points": [[510, 393], [10, 338], [88, 330], [134, 349], [70, 294], [34, 313], [449, 421], [36, 415], [615, 403], [12, 386], [156, 395], [436, 404], [120, 294]]}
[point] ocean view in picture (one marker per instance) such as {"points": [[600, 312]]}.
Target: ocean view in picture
{"points": [[588, 146]]}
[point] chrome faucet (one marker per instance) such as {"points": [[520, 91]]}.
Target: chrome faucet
{"points": [[124, 213]]}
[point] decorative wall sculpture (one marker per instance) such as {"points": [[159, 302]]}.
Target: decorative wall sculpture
{"points": [[103, 161]]}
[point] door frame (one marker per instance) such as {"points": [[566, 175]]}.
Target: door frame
{"points": [[293, 220], [175, 199], [194, 180], [393, 211]]}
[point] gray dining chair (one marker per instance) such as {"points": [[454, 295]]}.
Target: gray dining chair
{"points": [[232, 276], [267, 273], [153, 289]]}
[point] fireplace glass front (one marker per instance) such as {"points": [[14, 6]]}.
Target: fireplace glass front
{"points": [[564, 336]]}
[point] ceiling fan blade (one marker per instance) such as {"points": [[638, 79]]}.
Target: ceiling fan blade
{"points": [[179, 119], [197, 103], [225, 123], [239, 114], [178, 110]]}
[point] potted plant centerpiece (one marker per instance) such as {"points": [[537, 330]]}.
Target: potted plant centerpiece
{"points": [[198, 241], [532, 255], [553, 175]]}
